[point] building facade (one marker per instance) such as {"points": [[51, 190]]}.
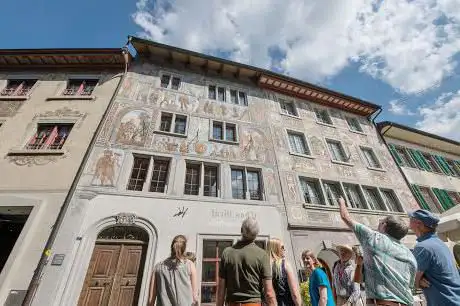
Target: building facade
{"points": [[51, 102], [430, 163], [194, 144]]}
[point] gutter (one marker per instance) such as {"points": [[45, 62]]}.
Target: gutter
{"points": [[36, 278]]}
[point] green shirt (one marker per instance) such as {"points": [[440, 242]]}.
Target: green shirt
{"points": [[389, 266], [244, 266]]}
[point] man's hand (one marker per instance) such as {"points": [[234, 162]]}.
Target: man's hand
{"points": [[424, 283], [344, 214]]}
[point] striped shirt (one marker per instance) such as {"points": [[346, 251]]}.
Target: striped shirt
{"points": [[389, 266]]}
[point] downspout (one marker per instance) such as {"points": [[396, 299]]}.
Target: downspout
{"points": [[36, 278]]}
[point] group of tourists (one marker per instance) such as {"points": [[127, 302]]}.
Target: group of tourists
{"points": [[384, 273]]}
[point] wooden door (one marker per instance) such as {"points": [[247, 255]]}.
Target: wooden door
{"points": [[114, 275]]}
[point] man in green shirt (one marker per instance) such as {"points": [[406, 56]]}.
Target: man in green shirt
{"points": [[244, 269]]}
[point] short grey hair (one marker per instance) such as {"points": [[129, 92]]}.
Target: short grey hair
{"points": [[249, 229]]}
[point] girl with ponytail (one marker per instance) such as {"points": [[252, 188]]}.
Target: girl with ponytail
{"points": [[173, 281]]}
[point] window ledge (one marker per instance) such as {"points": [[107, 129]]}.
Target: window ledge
{"points": [[301, 155], [376, 169], [342, 163], [19, 152], [362, 211], [171, 134], [291, 116], [325, 124], [225, 141], [54, 98], [357, 132], [13, 98]]}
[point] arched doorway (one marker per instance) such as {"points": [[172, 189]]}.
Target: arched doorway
{"points": [[114, 273]]}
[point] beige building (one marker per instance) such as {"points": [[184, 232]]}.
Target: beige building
{"points": [[51, 103], [192, 145]]}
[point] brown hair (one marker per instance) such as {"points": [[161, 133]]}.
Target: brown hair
{"points": [[191, 256], [178, 246], [308, 253]]}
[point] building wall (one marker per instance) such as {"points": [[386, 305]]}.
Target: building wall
{"points": [[262, 145], [39, 181], [425, 178]]}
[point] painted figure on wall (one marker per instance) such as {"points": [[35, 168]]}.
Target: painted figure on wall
{"points": [[105, 168], [133, 128]]}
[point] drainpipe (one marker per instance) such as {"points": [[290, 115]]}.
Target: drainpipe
{"points": [[35, 281]]}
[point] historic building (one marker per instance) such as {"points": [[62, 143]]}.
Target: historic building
{"points": [[192, 145], [430, 163], [51, 102]]}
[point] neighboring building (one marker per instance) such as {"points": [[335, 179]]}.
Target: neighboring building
{"points": [[192, 145], [51, 102], [430, 163]]}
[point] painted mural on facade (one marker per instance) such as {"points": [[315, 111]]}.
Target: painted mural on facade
{"points": [[106, 167], [133, 128]]}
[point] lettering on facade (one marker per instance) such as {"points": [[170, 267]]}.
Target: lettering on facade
{"points": [[125, 218], [230, 214], [181, 211]]}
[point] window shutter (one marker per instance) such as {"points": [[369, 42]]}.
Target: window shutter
{"points": [[443, 164], [441, 198], [395, 154], [419, 159], [457, 164], [418, 196], [447, 199]]}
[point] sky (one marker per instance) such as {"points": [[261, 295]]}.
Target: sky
{"points": [[401, 54]]}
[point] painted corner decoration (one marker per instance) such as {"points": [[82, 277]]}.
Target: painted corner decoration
{"points": [[107, 167]]}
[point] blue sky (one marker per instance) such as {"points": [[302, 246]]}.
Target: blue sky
{"points": [[400, 54]]}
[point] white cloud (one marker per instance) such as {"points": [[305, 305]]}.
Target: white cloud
{"points": [[408, 44], [443, 117], [398, 107]]}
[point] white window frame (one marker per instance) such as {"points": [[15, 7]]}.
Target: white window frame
{"points": [[171, 75], [305, 141], [224, 140], [148, 177], [227, 97], [361, 195], [379, 195], [398, 201], [325, 191], [363, 156], [282, 100], [202, 165], [321, 194], [328, 115], [346, 153], [247, 195], [173, 124], [350, 128]]}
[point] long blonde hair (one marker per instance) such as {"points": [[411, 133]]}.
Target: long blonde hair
{"points": [[178, 246], [275, 249]]}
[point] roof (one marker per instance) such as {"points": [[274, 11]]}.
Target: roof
{"points": [[21, 59], [409, 134], [263, 78]]}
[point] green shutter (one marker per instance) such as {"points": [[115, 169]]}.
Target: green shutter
{"points": [[395, 154], [457, 164], [447, 199], [418, 196], [441, 198], [443, 164], [420, 160]]}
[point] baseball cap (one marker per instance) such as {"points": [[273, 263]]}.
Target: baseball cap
{"points": [[427, 217]]}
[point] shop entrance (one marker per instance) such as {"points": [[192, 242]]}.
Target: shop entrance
{"points": [[12, 220], [114, 275]]}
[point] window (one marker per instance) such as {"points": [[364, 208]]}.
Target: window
{"points": [[195, 174], [333, 192], [373, 198], [49, 136], [311, 191], [211, 254], [406, 160], [18, 87], [80, 87], [224, 131], [219, 93], [142, 165], [354, 196], [322, 116], [454, 196], [371, 159], [173, 123], [354, 125], [336, 150], [391, 200], [297, 143], [287, 108], [168, 81], [454, 166], [429, 200], [246, 184], [432, 162]]}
